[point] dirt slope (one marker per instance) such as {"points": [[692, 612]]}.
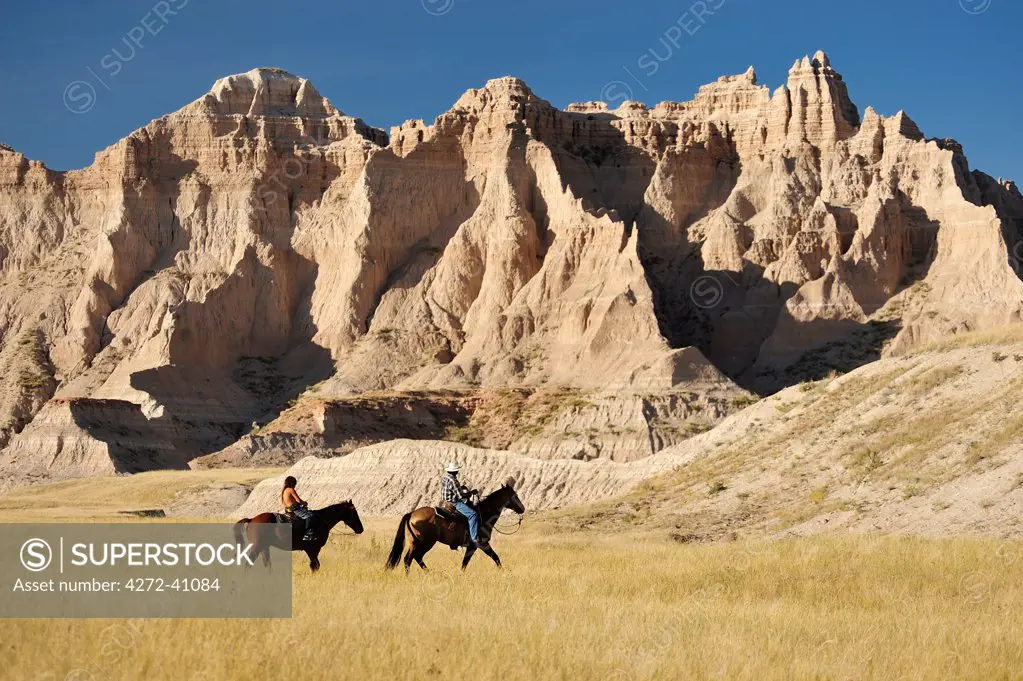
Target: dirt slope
{"points": [[926, 443], [545, 423]]}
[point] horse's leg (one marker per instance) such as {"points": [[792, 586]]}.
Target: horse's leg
{"points": [[468, 555], [314, 557], [413, 547], [421, 551], [489, 550], [266, 559]]}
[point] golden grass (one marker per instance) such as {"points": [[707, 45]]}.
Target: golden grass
{"points": [[1003, 335], [931, 379], [105, 497], [909, 440], [579, 606]]}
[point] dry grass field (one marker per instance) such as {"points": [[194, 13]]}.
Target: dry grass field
{"points": [[572, 605], [105, 498]]}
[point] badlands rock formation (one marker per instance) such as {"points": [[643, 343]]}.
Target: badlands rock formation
{"points": [[211, 266], [928, 443], [544, 423], [395, 477]]}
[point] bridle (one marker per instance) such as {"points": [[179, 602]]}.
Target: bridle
{"points": [[517, 526]]}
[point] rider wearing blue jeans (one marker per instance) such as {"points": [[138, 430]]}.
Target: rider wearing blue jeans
{"points": [[459, 495]]}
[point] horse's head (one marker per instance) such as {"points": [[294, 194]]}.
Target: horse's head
{"points": [[503, 497], [509, 497], [350, 516], [514, 503]]}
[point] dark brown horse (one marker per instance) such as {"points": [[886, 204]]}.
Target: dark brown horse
{"points": [[259, 531], [426, 528]]}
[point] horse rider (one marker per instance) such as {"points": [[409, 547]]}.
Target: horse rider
{"points": [[295, 507], [459, 495]]}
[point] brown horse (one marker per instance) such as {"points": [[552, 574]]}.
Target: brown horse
{"points": [[254, 531], [427, 528]]}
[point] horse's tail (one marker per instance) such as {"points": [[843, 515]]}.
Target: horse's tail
{"points": [[399, 542], [239, 532]]}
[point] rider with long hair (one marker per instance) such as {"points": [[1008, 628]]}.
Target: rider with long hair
{"points": [[295, 507]]}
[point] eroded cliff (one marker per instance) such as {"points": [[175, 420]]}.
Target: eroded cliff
{"points": [[215, 264]]}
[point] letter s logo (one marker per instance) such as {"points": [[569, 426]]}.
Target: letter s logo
{"points": [[36, 555], [79, 97]]}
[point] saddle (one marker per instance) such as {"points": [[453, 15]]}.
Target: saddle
{"points": [[297, 524], [447, 510]]}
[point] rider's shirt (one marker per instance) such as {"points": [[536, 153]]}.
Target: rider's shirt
{"points": [[452, 492]]}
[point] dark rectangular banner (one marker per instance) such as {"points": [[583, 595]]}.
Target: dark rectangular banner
{"points": [[144, 570]]}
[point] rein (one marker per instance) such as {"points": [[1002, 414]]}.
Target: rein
{"points": [[495, 528], [518, 526]]}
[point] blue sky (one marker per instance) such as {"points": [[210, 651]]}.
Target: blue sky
{"points": [[953, 65]]}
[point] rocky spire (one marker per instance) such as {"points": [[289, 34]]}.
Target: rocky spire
{"points": [[268, 92], [822, 112]]}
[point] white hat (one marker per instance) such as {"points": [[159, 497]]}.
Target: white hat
{"points": [[453, 467]]}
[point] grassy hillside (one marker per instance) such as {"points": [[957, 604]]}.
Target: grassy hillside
{"points": [[930, 443]]}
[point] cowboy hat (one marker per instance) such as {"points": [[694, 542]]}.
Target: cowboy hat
{"points": [[453, 467]]}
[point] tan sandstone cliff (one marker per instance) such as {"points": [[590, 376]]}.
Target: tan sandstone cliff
{"points": [[212, 265]]}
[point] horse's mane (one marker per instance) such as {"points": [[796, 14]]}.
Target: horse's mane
{"points": [[493, 494], [496, 492], [337, 505]]}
